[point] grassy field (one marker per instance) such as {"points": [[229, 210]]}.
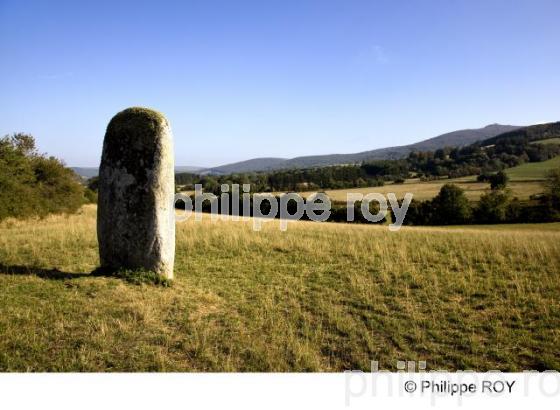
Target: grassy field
{"points": [[319, 297], [533, 170], [547, 141], [429, 189]]}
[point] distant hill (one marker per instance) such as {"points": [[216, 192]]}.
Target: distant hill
{"points": [[539, 132], [88, 172], [188, 169], [450, 139], [256, 164], [462, 137]]}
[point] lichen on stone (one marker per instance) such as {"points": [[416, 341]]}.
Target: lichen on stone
{"points": [[132, 139], [131, 116]]}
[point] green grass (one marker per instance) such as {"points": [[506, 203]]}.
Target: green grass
{"points": [[547, 141], [319, 297], [533, 170], [134, 276]]}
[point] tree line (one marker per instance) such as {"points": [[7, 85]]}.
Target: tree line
{"points": [[333, 177], [452, 207]]}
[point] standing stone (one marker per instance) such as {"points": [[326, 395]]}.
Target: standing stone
{"points": [[135, 214]]}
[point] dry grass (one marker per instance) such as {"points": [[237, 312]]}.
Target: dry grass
{"points": [[319, 297], [429, 189]]}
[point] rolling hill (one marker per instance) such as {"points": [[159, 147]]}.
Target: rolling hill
{"points": [[450, 139], [539, 132], [256, 164]]}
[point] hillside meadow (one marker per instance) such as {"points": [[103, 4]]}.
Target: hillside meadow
{"points": [[319, 297], [533, 170]]}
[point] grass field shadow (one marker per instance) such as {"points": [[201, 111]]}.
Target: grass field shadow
{"points": [[136, 277], [44, 273]]}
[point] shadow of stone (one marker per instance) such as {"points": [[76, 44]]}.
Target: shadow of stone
{"points": [[136, 277], [54, 274]]}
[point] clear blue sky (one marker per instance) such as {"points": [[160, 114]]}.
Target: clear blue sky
{"points": [[241, 79]]}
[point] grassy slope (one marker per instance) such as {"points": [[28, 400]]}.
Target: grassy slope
{"points": [[317, 297], [547, 141], [533, 170]]}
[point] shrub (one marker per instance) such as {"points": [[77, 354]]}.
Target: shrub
{"points": [[33, 184], [493, 207], [90, 196], [484, 177], [93, 184], [450, 206], [552, 191], [498, 180]]}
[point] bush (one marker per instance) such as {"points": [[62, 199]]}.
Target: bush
{"points": [[93, 184], [493, 207], [484, 177], [450, 206], [552, 192], [419, 213], [32, 184], [498, 180], [90, 196]]}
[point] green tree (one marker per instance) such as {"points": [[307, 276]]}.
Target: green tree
{"points": [[498, 180], [493, 207], [58, 187], [17, 197], [451, 206], [552, 191]]}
